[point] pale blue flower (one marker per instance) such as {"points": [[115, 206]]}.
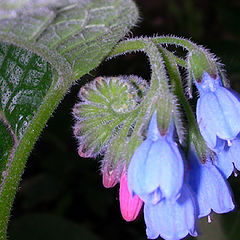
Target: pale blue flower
{"points": [[224, 163], [156, 168], [229, 156], [211, 189], [218, 112], [172, 219]]}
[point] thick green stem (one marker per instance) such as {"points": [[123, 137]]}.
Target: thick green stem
{"points": [[10, 186]]}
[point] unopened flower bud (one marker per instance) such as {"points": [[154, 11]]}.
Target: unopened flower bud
{"points": [[110, 178], [129, 206]]}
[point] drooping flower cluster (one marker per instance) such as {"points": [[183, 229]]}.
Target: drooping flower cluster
{"points": [[172, 201], [176, 191], [156, 175], [175, 187]]}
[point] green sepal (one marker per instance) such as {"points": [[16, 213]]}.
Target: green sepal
{"points": [[200, 61]]}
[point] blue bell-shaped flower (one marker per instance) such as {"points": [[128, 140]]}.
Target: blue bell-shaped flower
{"points": [[218, 112], [211, 189], [172, 219], [156, 168]]}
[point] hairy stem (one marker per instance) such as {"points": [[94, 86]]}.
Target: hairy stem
{"points": [[184, 43], [138, 44], [194, 132], [15, 169]]}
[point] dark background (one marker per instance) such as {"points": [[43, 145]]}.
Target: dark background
{"points": [[61, 196]]}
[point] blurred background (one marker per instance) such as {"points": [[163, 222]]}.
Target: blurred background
{"points": [[61, 196]]}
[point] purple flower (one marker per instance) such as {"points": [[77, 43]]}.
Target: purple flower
{"points": [[211, 189], [156, 168], [218, 112], [172, 219]]}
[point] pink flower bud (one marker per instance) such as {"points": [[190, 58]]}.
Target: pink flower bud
{"points": [[110, 178], [129, 206]]}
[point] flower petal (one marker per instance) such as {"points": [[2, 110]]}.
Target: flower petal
{"points": [[171, 219], [165, 168], [151, 218], [224, 163], [231, 154], [136, 171], [234, 153], [230, 106], [212, 191], [205, 120], [161, 171]]}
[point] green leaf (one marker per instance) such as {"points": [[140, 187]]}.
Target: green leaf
{"points": [[44, 47], [74, 35]]}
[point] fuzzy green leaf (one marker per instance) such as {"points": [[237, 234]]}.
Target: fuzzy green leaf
{"points": [[44, 47]]}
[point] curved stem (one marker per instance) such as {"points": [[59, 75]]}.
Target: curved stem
{"points": [[10, 185], [159, 79], [138, 44], [159, 94], [194, 132], [184, 43]]}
